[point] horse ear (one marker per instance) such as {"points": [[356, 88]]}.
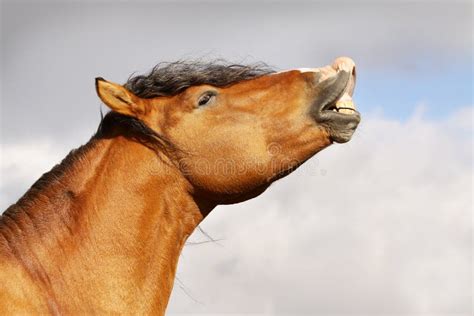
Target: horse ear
{"points": [[119, 99]]}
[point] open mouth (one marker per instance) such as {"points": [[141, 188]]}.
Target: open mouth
{"points": [[344, 105], [333, 106], [340, 101]]}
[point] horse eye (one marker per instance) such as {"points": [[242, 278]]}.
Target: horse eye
{"points": [[205, 99]]}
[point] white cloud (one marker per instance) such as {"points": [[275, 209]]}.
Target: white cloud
{"points": [[23, 163], [381, 225]]}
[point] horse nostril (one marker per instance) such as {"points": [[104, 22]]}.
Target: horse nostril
{"points": [[344, 63]]}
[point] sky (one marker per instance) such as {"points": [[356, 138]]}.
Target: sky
{"points": [[394, 237]]}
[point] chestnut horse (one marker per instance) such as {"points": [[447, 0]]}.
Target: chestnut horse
{"points": [[103, 230]]}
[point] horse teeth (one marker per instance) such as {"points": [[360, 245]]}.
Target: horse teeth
{"points": [[345, 104], [346, 111]]}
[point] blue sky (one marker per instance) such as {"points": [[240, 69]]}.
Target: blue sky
{"points": [[441, 90]]}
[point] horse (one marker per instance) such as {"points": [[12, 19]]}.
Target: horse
{"points": [[101, 233]]}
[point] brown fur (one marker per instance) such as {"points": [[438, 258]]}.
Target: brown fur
{"points": [[102, 233]]}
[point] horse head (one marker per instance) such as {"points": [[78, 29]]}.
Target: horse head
{"points": [[233, 130]]}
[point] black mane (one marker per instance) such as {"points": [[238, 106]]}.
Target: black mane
{"points": [[167, 79]]}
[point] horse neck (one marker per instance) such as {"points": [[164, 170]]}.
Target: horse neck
{"points": [[113, 224]]}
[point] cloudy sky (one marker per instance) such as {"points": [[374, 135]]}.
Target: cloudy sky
{"points": [[381, 225]]}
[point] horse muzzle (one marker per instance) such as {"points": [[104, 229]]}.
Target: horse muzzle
{"points": [[332, 106]]}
